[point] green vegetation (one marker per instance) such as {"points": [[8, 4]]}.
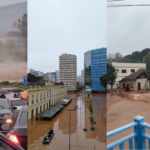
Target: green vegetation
{"points": [[110, 77], [8, 83], [136, 57], [35, 80]]}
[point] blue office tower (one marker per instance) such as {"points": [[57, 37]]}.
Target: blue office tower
{"points": [[95, 63]]}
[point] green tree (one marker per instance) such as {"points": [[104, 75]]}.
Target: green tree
{"points": [[110, 77], [146, 60], [104, 80]]}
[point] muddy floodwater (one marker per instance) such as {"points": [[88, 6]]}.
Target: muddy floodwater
{"points": [[69, 126]]}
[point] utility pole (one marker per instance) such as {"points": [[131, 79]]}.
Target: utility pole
{"points": [[69, 129], [69, 124]]}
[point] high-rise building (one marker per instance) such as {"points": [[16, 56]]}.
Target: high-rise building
{"points": [[57, 76], [53, 77], [82, 78], [68, 71], [95, 64]]}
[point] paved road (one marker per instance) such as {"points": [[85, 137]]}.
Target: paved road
{"points": [[70, 124]]}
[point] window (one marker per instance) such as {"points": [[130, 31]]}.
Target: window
{"points": [[132, 70], [32, 101], [124, 70]]}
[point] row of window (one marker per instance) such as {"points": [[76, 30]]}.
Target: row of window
{"points": [[44, 95], [125, 70]]}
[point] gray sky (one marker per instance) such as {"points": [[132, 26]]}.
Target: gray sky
{"points": [[128, 27], [68, 26]]}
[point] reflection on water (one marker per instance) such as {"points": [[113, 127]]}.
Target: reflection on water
{"points": [[71, 122]]}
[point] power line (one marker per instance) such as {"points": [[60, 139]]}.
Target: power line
{"points": [[128, 5], [115, 0], [125, 5], [120, 1]]}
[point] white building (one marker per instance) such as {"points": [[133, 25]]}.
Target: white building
{"points": [[125, 69], [68, 71], [137, 81], [42, 98], [52, 77]]}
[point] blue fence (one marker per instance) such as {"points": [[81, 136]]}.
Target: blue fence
{"points": [[138, 139]]}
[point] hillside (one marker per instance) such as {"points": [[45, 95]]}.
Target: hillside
{"points": [[136, 56]]}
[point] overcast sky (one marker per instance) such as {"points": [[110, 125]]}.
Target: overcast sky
{"points": [[128, 27], [68, 26]]}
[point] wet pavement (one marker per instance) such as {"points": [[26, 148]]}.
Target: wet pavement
{"points": [[69, 124]]}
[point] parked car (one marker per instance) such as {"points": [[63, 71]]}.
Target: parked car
{"points": [[19, 131], [2, 96], [66, 101], [6, 144], [5, 114]]}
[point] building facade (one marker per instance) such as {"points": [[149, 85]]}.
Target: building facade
{"points": [[94, 68], [137, 81], [42, 98], [68, 71], [125, 69], [52, 76]]}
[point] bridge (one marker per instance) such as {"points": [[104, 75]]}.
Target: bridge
{"points": [[137, 139]]}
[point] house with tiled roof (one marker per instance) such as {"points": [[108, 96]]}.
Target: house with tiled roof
{"points": [[137, 81]]}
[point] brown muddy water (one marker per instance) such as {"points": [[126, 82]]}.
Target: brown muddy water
{"points": [[70, 124]]}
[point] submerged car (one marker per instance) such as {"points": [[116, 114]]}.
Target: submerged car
{"points": [[19, 132], [6, 144], [47, 139]]}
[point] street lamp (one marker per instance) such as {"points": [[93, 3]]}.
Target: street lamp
{"points": [[69, 124]]}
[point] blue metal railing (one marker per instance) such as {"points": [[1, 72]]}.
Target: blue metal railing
{"points": [[138, 139]]}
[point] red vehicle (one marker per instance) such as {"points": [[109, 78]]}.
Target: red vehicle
{"points": [[18, 134], [6, 144]]}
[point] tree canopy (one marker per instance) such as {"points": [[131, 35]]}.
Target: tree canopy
{"points": [[110, 77]]}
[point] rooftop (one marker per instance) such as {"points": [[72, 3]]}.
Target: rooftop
{"points": [[138, 74]]}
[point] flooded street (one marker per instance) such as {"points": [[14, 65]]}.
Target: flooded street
{"points": [[125, 106], [69, 124]]}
